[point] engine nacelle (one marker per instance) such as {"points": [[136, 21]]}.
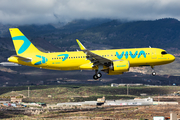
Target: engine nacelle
{"points": [[111, 72], [118, 67]]}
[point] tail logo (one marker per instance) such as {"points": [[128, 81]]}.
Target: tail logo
{"points": [[44, 60], [25, 45]]}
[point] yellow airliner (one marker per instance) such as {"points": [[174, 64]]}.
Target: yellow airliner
{"points": [[113, 62]]}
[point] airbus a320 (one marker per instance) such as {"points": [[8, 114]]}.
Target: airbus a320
{"points": [[112, 62]]}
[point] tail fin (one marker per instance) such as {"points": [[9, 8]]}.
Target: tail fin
{"points": [[22, 45]]}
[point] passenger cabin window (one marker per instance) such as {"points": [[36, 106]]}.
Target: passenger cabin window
{"points": [[163, 52]]}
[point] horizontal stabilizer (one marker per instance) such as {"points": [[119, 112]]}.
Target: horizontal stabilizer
{"points": [[22, 58], [9, 64]]}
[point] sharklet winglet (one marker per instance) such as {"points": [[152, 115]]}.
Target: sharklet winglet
{"points": [[81, 45]]}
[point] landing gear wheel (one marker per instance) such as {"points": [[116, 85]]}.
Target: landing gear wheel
{"points": [[153, 73], [99, 75], [95, 77]]}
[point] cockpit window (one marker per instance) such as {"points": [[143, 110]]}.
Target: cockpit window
{"points": [[163, 52]]}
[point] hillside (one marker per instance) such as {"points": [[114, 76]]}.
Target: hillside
{"points": [[163, 33], [76, 93]]}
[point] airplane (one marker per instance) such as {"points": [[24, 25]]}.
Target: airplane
{"points": [[112, 62]]}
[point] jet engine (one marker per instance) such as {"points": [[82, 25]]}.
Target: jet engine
{"points": [[118, 67]]}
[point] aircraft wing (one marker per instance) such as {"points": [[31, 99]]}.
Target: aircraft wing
{"points": [[94, 58], [100, 59]]}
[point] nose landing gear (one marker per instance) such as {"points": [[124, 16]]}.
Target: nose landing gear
{"points": [[153, 71]]}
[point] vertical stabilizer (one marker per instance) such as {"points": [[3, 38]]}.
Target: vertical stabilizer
{"points": [[22, 45]]}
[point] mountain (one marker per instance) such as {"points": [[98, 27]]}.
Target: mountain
{"points": [[163, 33]]}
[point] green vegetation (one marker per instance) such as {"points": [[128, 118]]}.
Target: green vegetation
{"points": [[74, 93]]}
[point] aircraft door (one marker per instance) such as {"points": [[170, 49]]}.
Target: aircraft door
{"points": [[153, 54]]}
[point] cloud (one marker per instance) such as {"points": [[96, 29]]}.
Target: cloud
{"points": [[50, 11]]}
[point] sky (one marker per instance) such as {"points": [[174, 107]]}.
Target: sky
{"points": [[52, 11]]}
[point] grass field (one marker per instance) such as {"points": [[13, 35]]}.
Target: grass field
{"points": [[76, 93]]}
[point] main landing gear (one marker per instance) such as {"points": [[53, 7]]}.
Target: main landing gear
{"points": [[153, 71], [97, 75], [97, 72]]}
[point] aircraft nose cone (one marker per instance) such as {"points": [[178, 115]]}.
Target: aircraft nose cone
{"points": [[172, 58]]}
